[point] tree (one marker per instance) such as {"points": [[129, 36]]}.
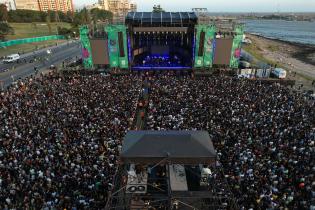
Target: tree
{"points": [[5, 29], [101, 15], [26, 16], [85, 16], [158, 8], [48, 22], [3, 13]]}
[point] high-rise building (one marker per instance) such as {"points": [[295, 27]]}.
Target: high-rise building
{"points": [[56, 5], [103, 4], [45, 5], [119, 8], [27, 4], [133, 6], [10, 4]]}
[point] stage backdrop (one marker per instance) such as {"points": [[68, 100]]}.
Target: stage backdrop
{"points": [[86, 48], [205, 39], [237, 46], [117, 45]]}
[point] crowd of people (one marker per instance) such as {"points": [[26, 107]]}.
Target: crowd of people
{"points": [[264, 135], [60, 137], [60, 140]]}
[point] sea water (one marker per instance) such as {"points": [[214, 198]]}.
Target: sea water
{"points": [[292, 31]]}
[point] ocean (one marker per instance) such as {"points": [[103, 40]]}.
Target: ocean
{"points": [[293, 31]]}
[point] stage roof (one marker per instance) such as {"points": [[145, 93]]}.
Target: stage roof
{"points": [[161, 18], [178, 147]]}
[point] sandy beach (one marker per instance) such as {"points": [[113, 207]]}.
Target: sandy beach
{"points": [[294, 57]]}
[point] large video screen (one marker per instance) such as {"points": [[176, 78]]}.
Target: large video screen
{"points": [[222, 54], [99, 51]]}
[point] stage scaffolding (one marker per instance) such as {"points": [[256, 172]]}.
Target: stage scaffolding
{"points": [[159, 177]]}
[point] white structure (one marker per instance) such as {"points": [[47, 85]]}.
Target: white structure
{"points": [[178, 179], [10, 4], [279, 73], [136, 183]]}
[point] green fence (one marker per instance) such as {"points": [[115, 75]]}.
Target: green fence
{"points": [[30, 40]]}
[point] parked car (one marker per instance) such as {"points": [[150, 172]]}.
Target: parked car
{"points": [[11, 58]]}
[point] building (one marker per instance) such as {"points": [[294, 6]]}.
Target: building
{"points": [[10, 4], [56, 5], [27, 4], [119, 8], [103, 4], [133, 6], [45, 5]]}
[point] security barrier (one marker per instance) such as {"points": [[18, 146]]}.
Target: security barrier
{"points": [[30, 40]]}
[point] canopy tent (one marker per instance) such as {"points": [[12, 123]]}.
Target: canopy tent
{"points": [[161, 18], [176, 147]]}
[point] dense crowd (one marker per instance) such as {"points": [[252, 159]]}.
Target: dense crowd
{"points": [[60, 139], [264, 135]]}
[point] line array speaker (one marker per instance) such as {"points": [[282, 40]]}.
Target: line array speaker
{"points": [[121, 44]]}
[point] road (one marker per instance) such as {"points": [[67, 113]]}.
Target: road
{"points": [[44, 61]]}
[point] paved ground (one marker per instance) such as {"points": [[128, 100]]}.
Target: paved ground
{"points": [[22, 69]]}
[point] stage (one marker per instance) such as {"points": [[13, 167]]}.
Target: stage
{"points": [[162, 41]]}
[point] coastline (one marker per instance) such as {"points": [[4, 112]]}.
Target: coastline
{"points": [[298, 59], [304, 52]]}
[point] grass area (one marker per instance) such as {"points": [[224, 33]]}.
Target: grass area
{"points": [[28, 47], [305, 76], [256, 52], [273, 48], [27, 30]]}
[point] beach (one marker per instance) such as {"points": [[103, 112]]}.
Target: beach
{"points": [[298, 59]]}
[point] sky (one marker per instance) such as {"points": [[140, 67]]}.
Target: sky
{"points": [[222, 5]]}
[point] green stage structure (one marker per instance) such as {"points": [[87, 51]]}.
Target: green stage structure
{"points": [[117, 46], [205, 35], [86, 48], [237, 46]]}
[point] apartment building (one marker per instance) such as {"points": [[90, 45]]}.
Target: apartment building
{"points": [[45, 5]]}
